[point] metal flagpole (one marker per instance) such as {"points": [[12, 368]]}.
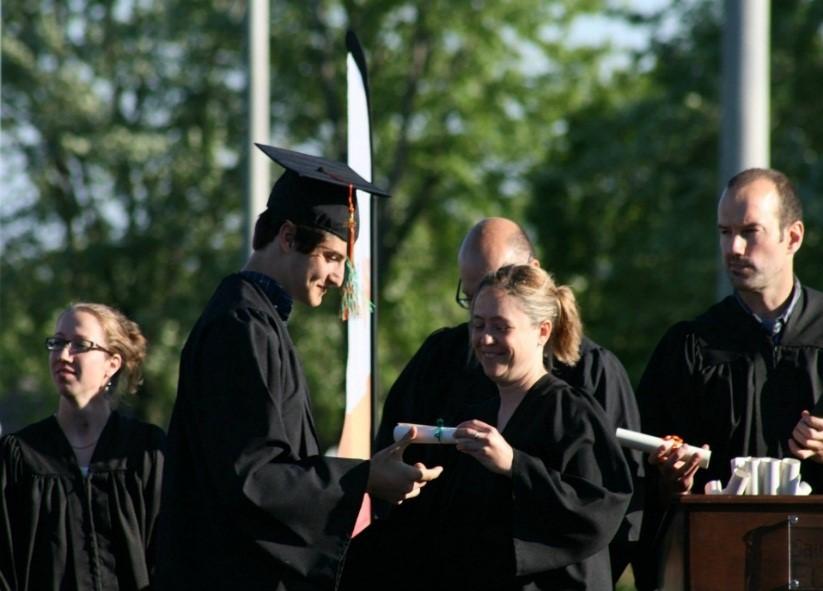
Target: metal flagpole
{"points": [[258, 182], [745, 92]]}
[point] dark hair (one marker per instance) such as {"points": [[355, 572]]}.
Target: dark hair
{"points": [[791, 209], [306, 238], [542, 300]]}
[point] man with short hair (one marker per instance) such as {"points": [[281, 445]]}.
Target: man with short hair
{"points": [[249, 502], [443, 375], [745, 376]]}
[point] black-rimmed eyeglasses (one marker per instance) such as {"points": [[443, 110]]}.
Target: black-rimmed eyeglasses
{"points": [[461, 298], [75, 346]]}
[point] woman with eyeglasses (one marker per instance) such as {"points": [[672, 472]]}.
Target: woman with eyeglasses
{"points": [[535, 488], [81, 488]]}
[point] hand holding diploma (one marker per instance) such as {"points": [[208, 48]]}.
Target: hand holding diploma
{"points": [[677, 467], [391, 479], [676, 461], [486, 445]]}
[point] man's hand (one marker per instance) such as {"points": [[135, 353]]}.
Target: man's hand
{"points": [[676, 470], [391, 479], [486, 445], [807, 438]]}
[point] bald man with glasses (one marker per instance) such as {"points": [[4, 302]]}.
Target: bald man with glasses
{"points": [[443, 376]]}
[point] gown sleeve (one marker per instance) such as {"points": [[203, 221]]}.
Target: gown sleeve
{"points": [[153, 463], [607, 380], [399, 404], [8, 580], [421, 392], [667, 378], [250, 418], [569, 497]]}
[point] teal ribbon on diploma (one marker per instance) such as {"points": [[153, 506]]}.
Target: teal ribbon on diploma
{"points": [[438, 432]]}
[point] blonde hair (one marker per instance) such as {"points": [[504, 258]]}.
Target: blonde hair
{"points": [[123, 337], [543, 301]]}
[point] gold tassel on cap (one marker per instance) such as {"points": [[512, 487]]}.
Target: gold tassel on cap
{"points": [[351, 304]]}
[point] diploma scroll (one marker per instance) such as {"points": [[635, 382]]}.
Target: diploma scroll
{"points": [[649, 444], [425, 433], [738, 482]]}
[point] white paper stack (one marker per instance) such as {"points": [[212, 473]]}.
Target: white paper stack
{"points": [[766, 476], [750, 476]]}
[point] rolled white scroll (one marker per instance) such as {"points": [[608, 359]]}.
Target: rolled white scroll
{"points": [[650, 443], [425, 433], [713, 487], [789, 474], [753, 466], [770, 472], [740, 462], [738, 482]]}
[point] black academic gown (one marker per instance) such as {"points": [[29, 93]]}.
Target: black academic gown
{"points": [[720, 379], [248, 502], [443, 376], [61, 530], [547, 527]]}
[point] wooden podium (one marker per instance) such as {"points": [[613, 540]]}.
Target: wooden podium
{"points": [[743, 543]]}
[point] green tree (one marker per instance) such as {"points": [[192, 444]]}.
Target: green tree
{"points": [[125, 119], [128, 120], [625, 198]]}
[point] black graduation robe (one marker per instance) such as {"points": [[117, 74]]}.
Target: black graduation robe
{"points": [[443, 377], [547, 527], [61, 530], [248, 502], [720, 379]]}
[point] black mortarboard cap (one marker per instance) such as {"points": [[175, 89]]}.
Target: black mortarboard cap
{"points": [[317, 192]]}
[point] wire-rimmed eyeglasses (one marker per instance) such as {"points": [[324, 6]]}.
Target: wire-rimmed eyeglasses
{"points": [[75, 346]]}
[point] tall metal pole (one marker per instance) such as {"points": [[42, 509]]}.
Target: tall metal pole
{"points": [[258, 183], [745, 94]]}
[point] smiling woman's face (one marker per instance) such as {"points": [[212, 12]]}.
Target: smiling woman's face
{"points": [[507, 343]]}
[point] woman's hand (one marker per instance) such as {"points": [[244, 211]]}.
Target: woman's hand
{"points": [[485, 444]]}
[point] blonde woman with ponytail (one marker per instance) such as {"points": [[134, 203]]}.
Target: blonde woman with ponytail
{"points": [[554, 481], [81, 488], [535, 488]]}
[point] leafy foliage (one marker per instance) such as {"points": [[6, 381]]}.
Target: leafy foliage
{"points": [[625, 204], [125, 143]]}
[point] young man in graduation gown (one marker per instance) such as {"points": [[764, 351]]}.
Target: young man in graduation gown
{"points": [[249, 502], [744, 377], [443, 376]]}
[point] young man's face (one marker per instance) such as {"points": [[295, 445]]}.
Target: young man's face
{"points": [[312, 274]]}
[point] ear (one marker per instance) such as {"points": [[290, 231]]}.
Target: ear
{"points": [[535, 262], [545, 331], [285, 236], [115, 363], [795, 233]]}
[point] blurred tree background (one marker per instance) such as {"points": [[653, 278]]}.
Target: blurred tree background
{"points": [[124, 147]]}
